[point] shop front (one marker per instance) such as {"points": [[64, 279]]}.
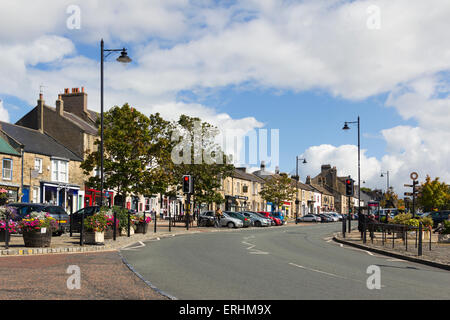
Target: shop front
{"points": [[61, 194], [12, 191], [92, 197], [230, 203]]}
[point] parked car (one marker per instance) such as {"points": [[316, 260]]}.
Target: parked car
{"points": [[439, 216], [230, 222], [309, 218], [56, 212], [206, 219], [325, 218], [335, 217], [238, 215], [257, 220], [280, 216], [276, 221], [76, 216]]}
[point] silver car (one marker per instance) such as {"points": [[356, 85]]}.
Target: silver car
{"points": [[230, 222], [257, 220]]}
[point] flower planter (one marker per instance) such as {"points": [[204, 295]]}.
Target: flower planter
{"points": [[124, 231], [444, 238], [94, 237], [3, 235], [37, 239], [109, 233], [141, 227]]}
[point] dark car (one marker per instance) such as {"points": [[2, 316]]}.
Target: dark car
{"points": [[325, 218], [247, 222], [206, 219], [56, 212], [439, 216], [76, 216]]}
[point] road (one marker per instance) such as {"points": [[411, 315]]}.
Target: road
{"points": [[289, 262]]}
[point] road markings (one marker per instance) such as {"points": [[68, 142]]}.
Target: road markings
{"points": [[251, 246], [141, 245], [314, 270], [327, 273]]}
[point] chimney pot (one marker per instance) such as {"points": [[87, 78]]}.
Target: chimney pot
{"points": [[66, 90]]}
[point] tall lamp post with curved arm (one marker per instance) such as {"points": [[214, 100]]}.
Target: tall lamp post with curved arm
{"points": [[297, 178], [346, 127], [123, 59]]}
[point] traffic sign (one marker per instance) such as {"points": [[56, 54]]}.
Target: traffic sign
{"points": [[408, 185], [414, 176], [409, 194]]}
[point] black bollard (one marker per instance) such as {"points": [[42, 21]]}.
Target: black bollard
{"points": [[128, 227], [82, 230], [115, 225]]}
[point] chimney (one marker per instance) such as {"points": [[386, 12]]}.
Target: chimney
{"points": [[60, 106], [263, 165], [75, 102], [40, 113], [308, 180]]}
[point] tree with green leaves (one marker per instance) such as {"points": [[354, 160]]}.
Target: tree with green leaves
{"points": [[434, 195], [198, 154], [390, 199], [128, 152], [277, 189]]}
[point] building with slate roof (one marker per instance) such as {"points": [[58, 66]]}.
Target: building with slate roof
{"points": [[49, 172], [11, 169]]}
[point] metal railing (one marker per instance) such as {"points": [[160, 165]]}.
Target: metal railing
{"points": [[396, 231]]}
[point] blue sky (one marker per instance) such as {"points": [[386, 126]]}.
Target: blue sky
{"points": [[302, 67]]}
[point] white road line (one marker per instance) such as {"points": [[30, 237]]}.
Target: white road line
{"points": [[319, 271], [141, 244]]}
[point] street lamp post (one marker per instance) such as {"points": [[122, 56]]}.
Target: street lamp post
{"points": [[124, 59], [346, 127], [297, 201], [387, 178]]}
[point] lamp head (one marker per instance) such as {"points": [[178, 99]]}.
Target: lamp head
{"points": [[346, 127], [124, 58]]}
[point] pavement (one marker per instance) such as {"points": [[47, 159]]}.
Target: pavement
{"points": [[434, 254]]}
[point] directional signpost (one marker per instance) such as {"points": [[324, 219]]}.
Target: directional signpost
{"points": [[414, 192]]}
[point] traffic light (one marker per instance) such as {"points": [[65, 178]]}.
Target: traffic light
{"points": [[348, 187], [188, 184]]}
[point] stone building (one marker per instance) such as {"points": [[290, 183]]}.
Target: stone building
{"points": [[11, 167], [241, 191], [49, 172]]}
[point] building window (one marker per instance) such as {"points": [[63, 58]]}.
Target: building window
{"points": [[7, 169], [38, 165], [60, 170]]}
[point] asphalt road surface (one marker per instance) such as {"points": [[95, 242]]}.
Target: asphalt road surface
{"points": [[279, 263]]}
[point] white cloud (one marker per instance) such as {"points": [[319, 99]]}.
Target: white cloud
{"points": [[345, 159], [4, 115], [181, 45]]}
